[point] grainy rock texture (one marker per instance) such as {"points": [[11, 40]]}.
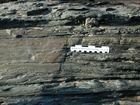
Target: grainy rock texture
{"points": [[37, 67]]}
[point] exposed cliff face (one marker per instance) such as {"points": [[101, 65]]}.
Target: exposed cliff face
{"points": [[37, 67]]}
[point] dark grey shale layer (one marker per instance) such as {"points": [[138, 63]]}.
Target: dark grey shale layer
{"points": [[37, 67]]}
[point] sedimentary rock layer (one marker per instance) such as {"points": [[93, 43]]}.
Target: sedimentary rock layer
{"points": [[37, 67]]}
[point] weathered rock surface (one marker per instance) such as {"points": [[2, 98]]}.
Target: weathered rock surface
{"points": [[37, 67]]}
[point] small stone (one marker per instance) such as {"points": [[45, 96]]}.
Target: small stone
{"points": [[91, 22], [116, 103]]}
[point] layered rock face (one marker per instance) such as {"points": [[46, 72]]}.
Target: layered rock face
{"points": [[38, 68]]}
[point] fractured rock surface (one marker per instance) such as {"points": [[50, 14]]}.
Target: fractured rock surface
{"points": [[37, 67]]}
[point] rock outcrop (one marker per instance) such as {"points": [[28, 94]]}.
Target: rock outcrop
{"points": [[37, 67]]}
